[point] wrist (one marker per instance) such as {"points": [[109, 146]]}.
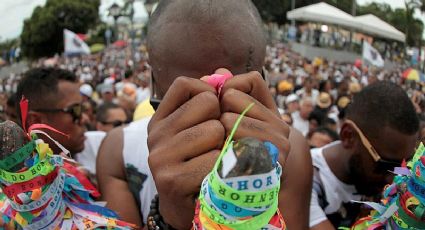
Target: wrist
{"points": [[155, 221]]}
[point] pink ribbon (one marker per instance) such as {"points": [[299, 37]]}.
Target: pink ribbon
{"points": [[217, 80]]}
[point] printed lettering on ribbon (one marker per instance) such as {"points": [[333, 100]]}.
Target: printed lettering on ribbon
{"points": [[18, 156]]}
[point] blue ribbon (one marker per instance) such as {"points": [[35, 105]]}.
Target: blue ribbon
{"points": [[231, 210], [94, 208]]}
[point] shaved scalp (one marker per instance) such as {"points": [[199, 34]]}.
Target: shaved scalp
{"points": [[383, 104], [189, 38]]}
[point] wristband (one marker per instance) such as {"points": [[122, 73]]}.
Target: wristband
{"points": [[54, 188], [225, 208], [38, 182], [253, 223], [255, 183], [53, 217], [241, 198], [18, 156], [43, 167]]}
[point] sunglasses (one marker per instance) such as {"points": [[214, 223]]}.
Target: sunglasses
{"points": [[75, 110], [382, 164], [115, 123]]}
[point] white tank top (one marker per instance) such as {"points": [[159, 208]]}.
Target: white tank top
{"points": [[135, 154]]}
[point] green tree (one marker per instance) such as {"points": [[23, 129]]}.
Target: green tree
{"points": [[380, 10], [7, 44], [97, 34], [273, 10], [42, 35], [413, 27], [401, 18]]}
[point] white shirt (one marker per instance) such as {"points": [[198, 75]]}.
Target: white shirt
{"points": [[87, 157], [335, 191], [299, 123], [135, 155]]}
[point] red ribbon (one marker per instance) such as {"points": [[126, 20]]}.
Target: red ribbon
{"points": [[23, 104], [24, 113], [14, 189], [82, 178]]}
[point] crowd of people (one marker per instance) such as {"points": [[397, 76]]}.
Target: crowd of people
{"points": [[312, 94], [358, 121]]}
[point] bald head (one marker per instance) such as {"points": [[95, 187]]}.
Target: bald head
{"points": [[194, 38]]}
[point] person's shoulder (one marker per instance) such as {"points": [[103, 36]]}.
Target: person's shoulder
{"points": [[113, 138], [110, 157]]}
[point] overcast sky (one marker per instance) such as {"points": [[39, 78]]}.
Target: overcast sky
{"points": [[13, 13]]}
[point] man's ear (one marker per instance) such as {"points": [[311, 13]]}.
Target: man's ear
{"points": [[35, 118], [347, 136]]}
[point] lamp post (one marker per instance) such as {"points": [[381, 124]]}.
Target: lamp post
{"points": [[132, 31], [115, 12], [293, 8], [353, 13]]}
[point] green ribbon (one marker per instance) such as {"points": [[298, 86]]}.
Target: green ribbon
{"points": [[43, 167], [18, 156], [408, 220], [242, 198], [265, 198], [256, 222]]}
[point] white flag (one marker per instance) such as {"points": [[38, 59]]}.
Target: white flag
{"points": [[73, 44], [371, 55]]}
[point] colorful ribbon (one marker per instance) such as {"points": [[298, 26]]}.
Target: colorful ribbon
{"points": [[403, 203], [50, 193], [239, 203]]}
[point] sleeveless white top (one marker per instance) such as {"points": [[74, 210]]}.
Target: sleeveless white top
{"points": [[135, 154]]}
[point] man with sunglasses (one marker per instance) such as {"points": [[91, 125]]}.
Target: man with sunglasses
{"points": [[380, 131], [194, 39], [54, 99], [110, 115]]}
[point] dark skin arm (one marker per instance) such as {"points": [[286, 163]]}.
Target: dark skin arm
{"points": [[178, 170], [112, 179], [294, 199], [184, 140], [265, 123]]}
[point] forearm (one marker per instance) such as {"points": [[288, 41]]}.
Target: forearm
{"points": [[294, 198]]}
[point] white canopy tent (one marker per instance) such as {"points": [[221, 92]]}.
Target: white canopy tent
{"points": [[373, 25], [322, 12], [325, 13]]}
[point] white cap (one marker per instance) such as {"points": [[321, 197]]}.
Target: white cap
{"points": [[86, 90], [291, 98]]}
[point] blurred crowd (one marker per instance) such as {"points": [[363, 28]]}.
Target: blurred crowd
{"points": [[108, 79], [311, 94], [86, 98]]}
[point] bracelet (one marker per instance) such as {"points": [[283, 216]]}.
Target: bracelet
{"points": [[155, 220]]}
